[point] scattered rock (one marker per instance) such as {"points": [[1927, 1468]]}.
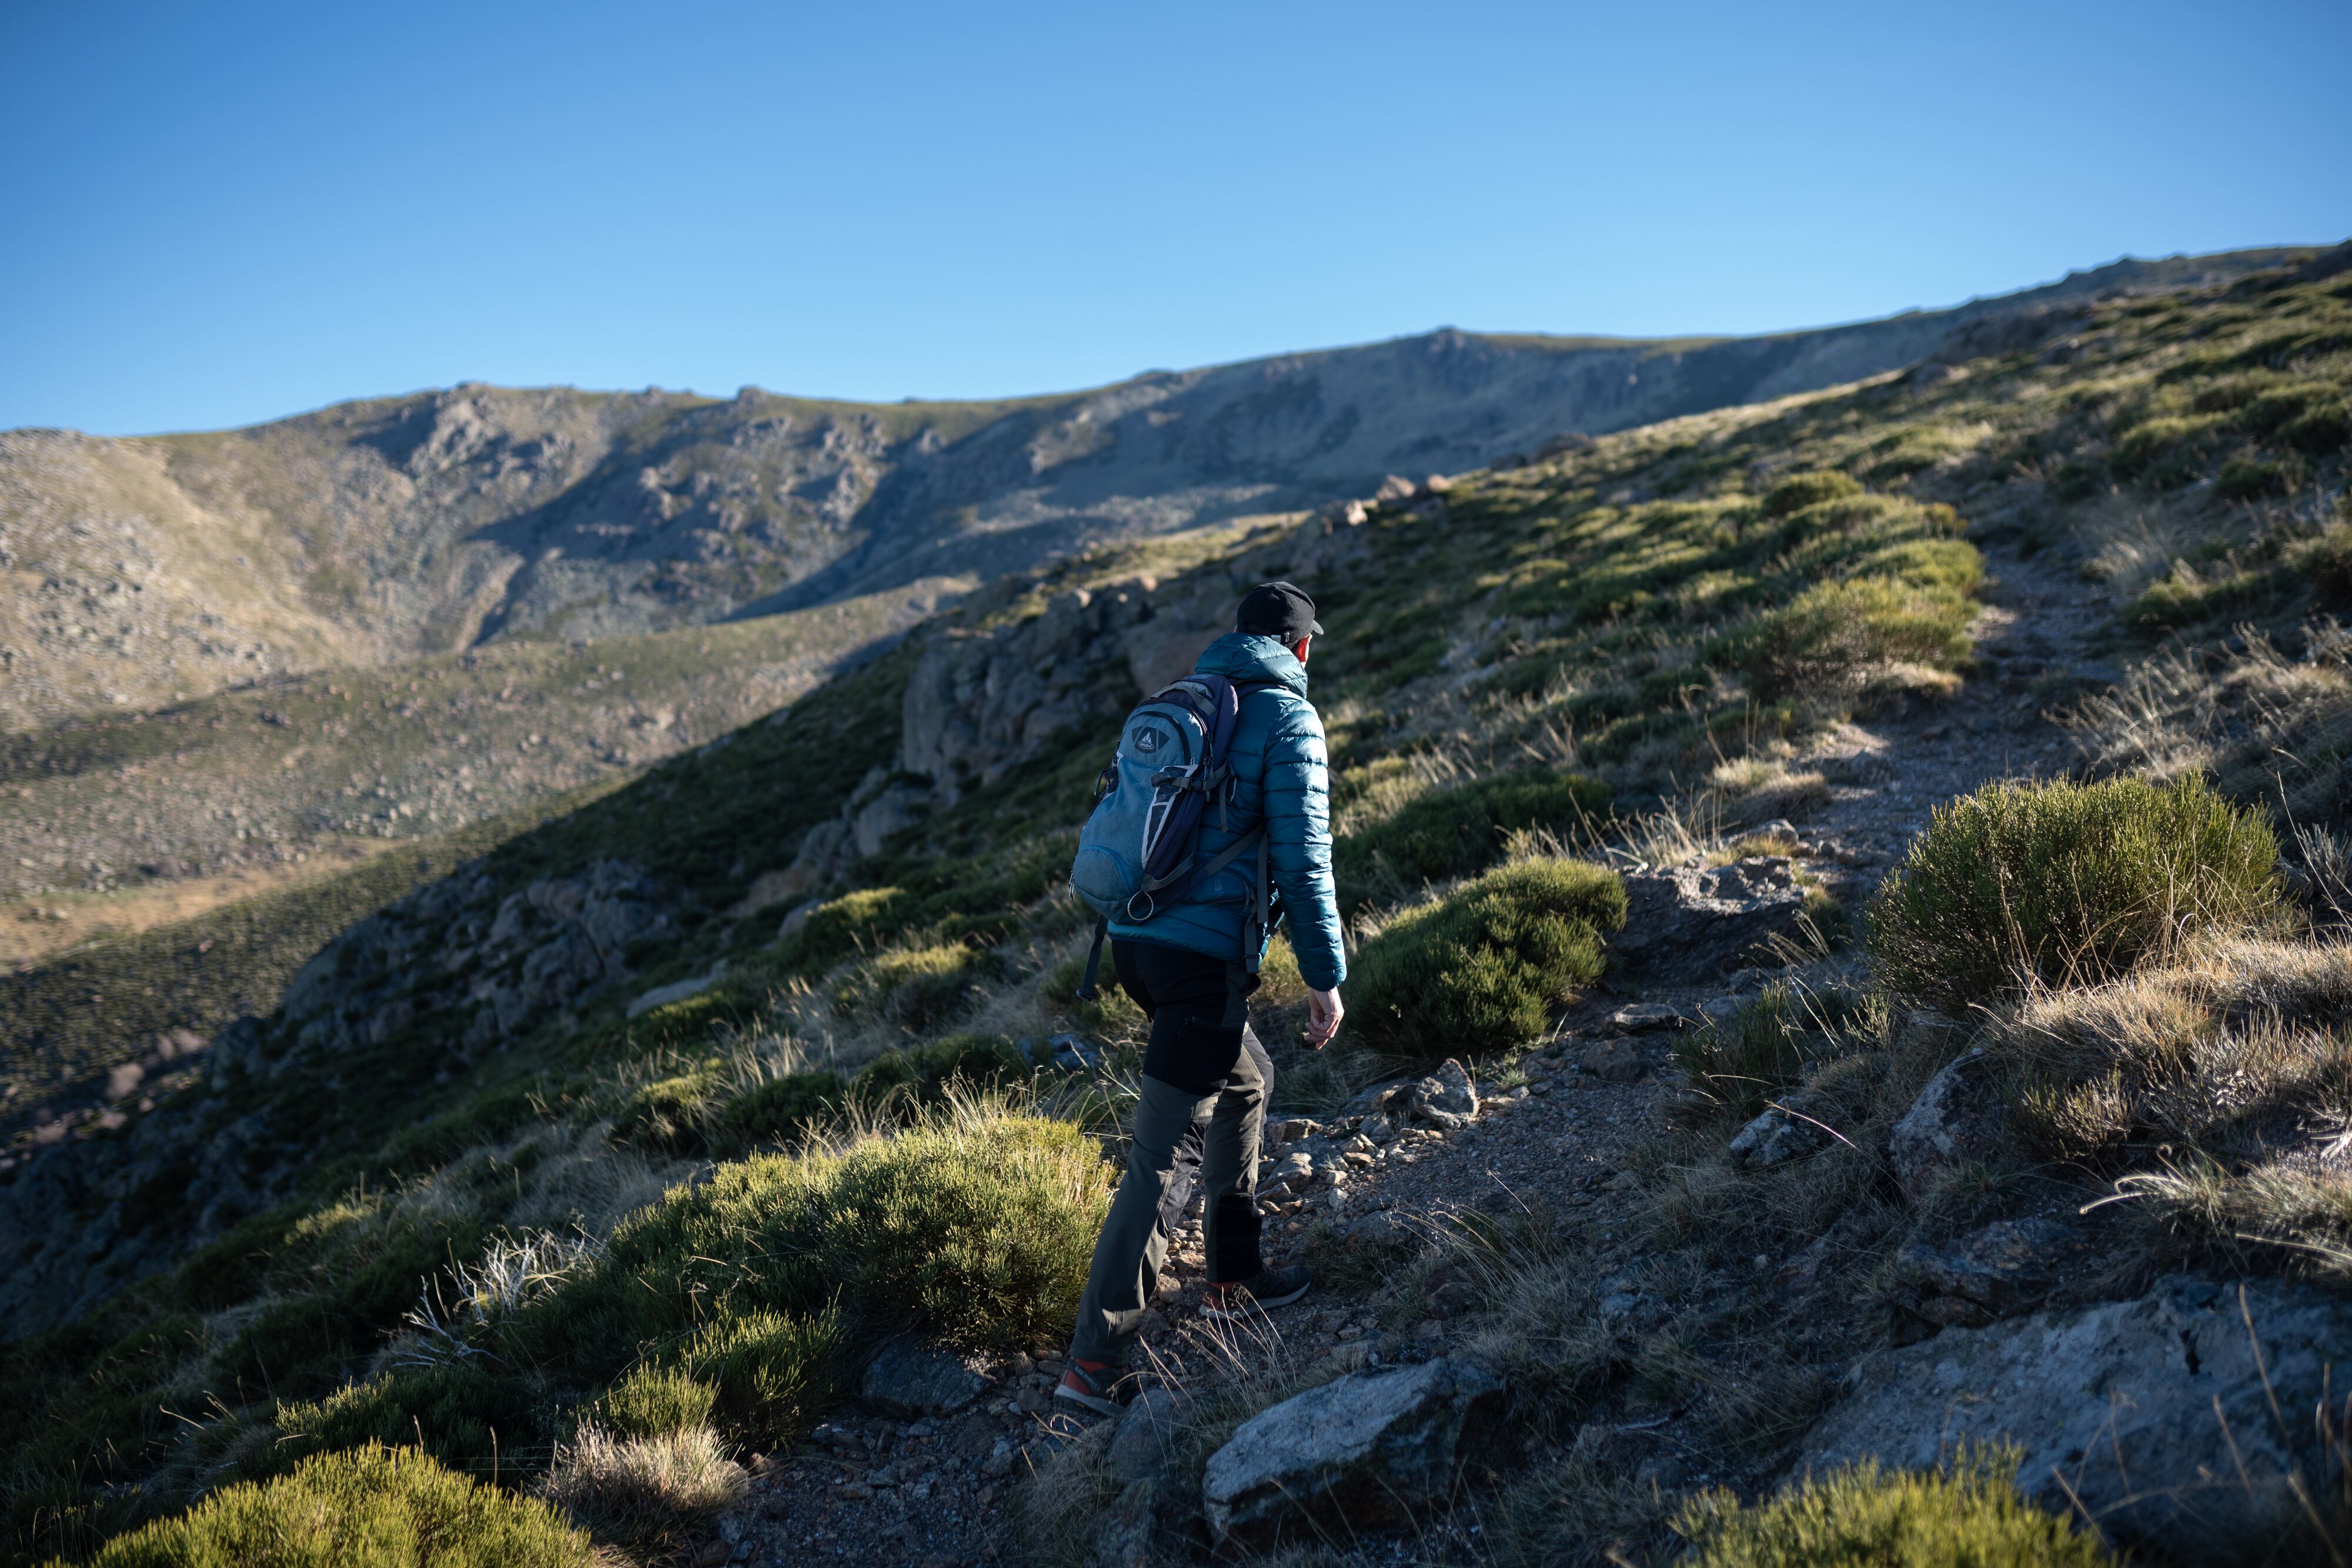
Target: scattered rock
{"points": [[1993, 1272], [2157, 1414], [1370, 1446], [676, 991], [1690, 924], [1615, 1060], [909, 1377], [1794, 1126], [1646, 1015], [1139, 1451], [1958, 1117], [1446, 1099]]}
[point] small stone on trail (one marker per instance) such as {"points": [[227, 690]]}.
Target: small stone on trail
{"points": [[1613, 1060], [1645, 1015], [908, 1377]]}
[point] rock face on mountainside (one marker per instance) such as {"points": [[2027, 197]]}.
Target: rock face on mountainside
{"points": [[2126, 1409], [133, 568], [78, 1223]]}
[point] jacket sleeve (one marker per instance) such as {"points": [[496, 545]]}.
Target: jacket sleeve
{"points": [[1298, 835]]}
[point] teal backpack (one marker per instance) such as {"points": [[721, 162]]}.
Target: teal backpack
{"points": [[1137, 851]]}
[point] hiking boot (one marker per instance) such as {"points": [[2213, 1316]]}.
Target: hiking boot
{"points": [[1090, 1386], [1260, 1292]]}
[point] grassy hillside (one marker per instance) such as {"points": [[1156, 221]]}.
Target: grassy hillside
{"points": [[1573, 659]]}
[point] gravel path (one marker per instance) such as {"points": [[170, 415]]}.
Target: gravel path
{"points": [[934, 1493]]}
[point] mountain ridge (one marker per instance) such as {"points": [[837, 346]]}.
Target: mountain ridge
{"points": [[139, 571]]}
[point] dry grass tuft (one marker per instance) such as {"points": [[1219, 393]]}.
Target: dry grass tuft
{"points": [[646, 1491]]}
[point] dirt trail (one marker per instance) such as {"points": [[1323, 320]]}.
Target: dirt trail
{"points": [[935, 1493]]}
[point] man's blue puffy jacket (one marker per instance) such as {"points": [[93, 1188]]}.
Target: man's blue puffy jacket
{"points": [[1281, 778]]}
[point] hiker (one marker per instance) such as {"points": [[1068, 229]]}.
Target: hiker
{"points": [[1186, 943]]}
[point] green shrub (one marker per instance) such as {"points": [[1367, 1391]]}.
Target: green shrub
{"points": [[1798, 491], [667, 1113], [2245, 478], [656, 1401], [2324, 562], [2170, 449], [856, 922], [2184, 597], [463, 1415], [1453, 832], [976, 1225], [778, 1110], [1483, 968], [1867, 1516], [373, 1506], [1834, 632], [2064, 884], [922, 1074], [916, 987], [1739, 1064], [770, 1371]]}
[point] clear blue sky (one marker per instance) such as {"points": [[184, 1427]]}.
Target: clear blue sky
{"points": [[220, 214]]}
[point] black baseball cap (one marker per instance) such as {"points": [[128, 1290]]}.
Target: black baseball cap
{"points": [[1277, 609]]}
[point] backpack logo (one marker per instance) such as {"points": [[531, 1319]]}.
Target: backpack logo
{"points": [[1148, 740]]}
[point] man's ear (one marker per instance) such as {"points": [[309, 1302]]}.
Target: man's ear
{"points": [[1298, 649]]}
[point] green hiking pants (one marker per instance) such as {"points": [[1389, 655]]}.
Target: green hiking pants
{"points": [[1229, 1123]]}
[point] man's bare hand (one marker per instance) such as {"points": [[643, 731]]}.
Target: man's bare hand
{"points": [[1324, 1011]]}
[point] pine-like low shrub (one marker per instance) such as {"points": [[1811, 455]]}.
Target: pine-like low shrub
{"points": [[372, 1507], [1483, 968], [770, 1371], [656, 1401], [1835, 631], [975, 1225], [464, 1415], [1798, 491], [837, 929], [1867, 1516], [924, 1074], [2059, 883], [1455, 832], [915, 986], [778, 1110]]}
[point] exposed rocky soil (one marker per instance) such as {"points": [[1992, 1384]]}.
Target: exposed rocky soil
{"points": [[1407, 1163]]}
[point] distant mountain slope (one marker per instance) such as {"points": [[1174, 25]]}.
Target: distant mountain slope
{"points": [[137, 572]]}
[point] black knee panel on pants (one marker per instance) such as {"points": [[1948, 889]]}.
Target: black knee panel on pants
{"points": [[1237, 1238], [1193, 1053]]}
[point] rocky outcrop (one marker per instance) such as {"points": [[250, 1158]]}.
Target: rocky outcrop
{"points": [[87, 1217], [544, 946], [1371, 1446], [2000, 1269], [1959, 1117], [1793, 1125], [909, 1378], [2181, 1419], [1690, 925]]}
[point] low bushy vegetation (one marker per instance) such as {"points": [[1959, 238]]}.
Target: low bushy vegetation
{"points": [[2057, 884], [368, 1507], [1969, 1516], [974, 1225], [648, 1492], [1483, 968], [1453, 832]]}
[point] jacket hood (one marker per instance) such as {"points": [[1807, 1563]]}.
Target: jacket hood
{"points": [[1242, 656]]}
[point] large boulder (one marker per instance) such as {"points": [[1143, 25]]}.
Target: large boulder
{"points": [[1371, 1446], [1689, 925], [2182, 1420]]}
